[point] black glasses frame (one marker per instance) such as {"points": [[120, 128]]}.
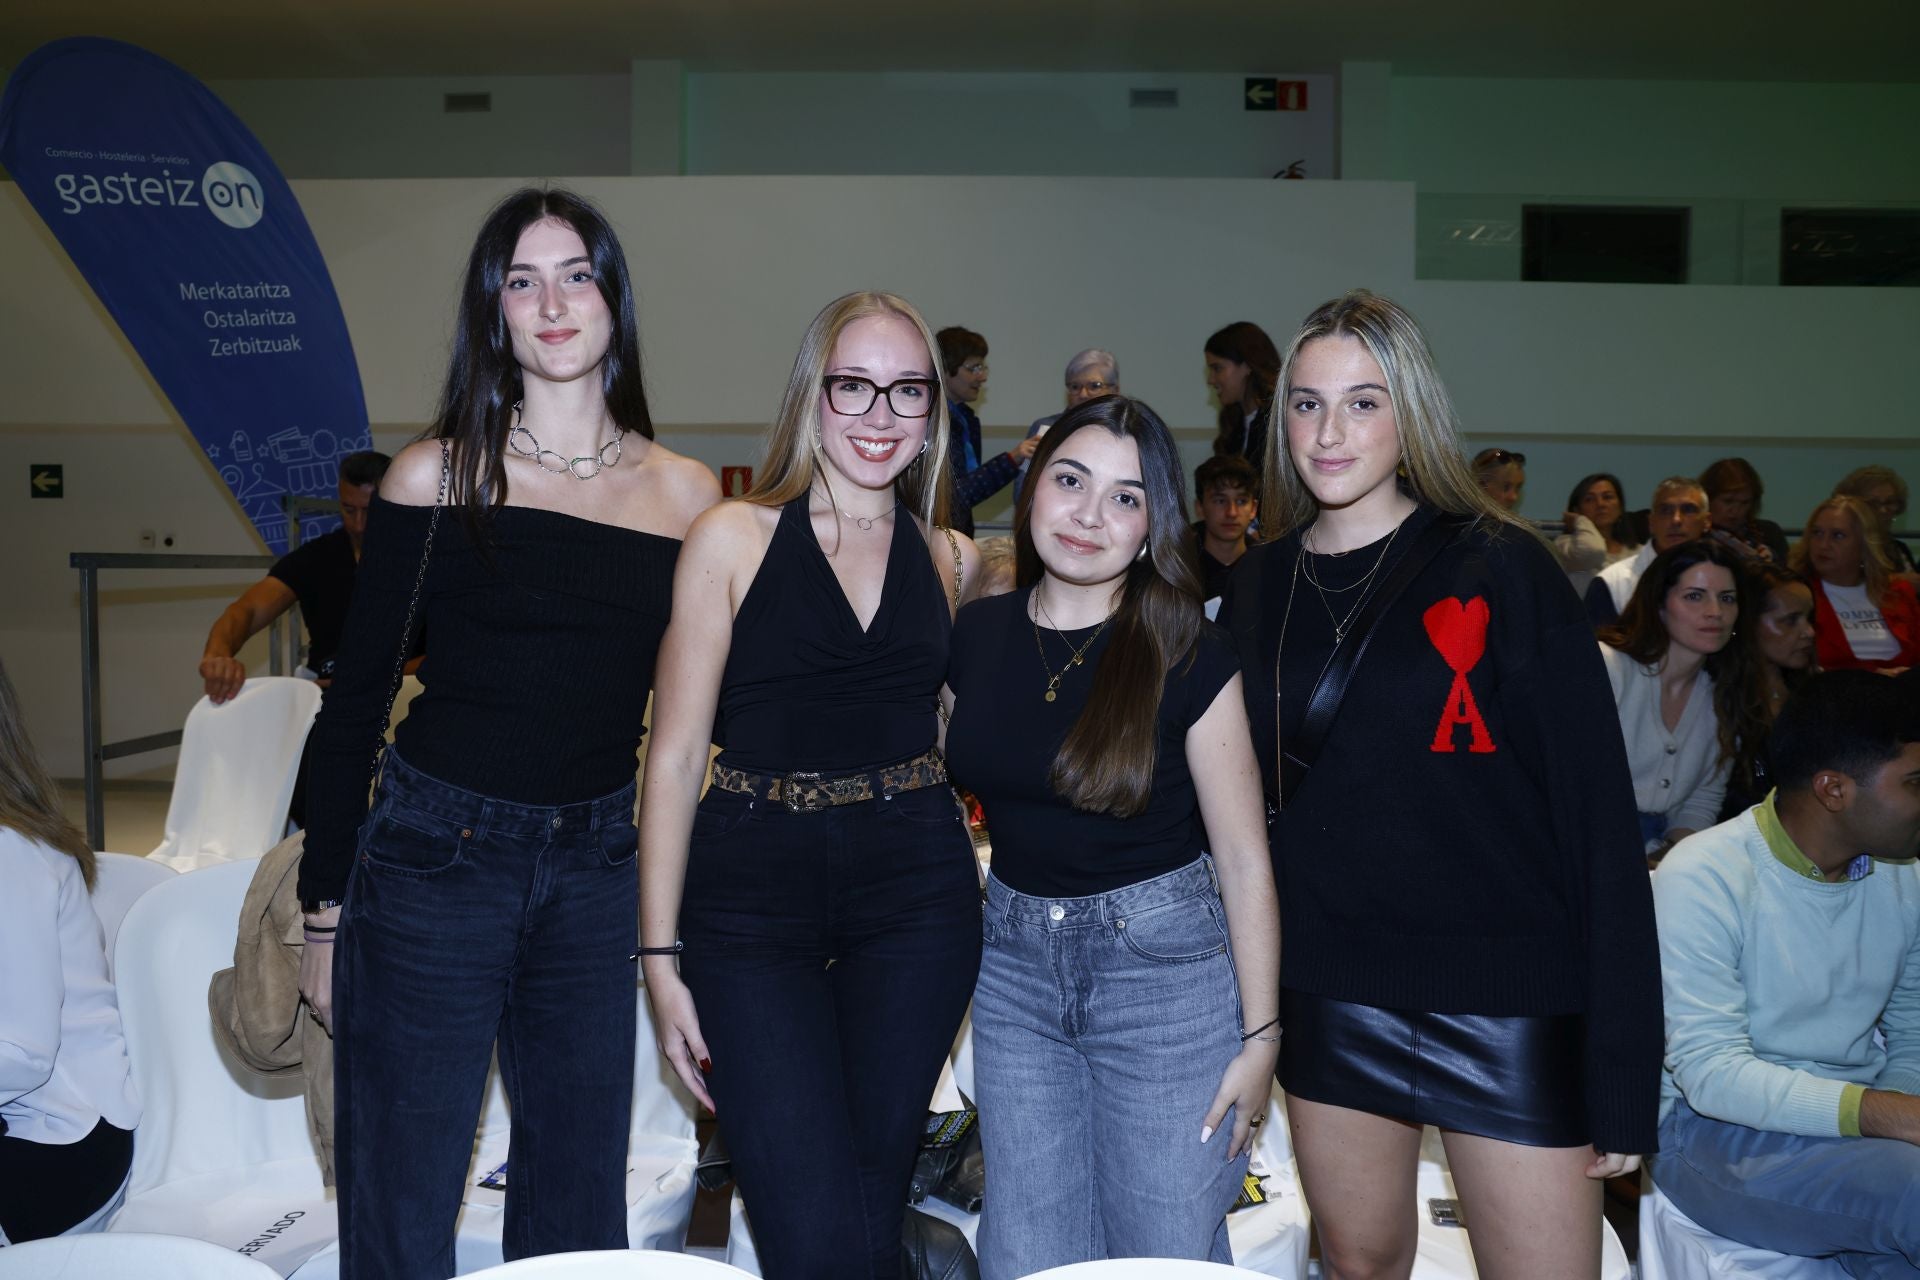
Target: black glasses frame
{"points": [[829, 381]]}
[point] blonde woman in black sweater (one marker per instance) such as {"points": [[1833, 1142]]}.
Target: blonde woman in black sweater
{"points": [[1467, 929]]}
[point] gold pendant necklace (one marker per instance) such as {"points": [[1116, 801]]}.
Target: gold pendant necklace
{"points": [[1079, 654]]}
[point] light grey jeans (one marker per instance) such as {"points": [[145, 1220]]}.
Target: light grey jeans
{"points": [[1856, 1200], [1101, 1027]]}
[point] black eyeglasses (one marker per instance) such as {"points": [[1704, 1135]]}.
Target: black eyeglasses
{"points": [[850, 396]]}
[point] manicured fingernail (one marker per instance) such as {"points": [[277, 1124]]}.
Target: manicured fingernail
{"points": [[1206, 1131], [706, 1064]]}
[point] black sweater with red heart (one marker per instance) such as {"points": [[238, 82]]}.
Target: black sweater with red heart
{"points": [[1466, 841]]}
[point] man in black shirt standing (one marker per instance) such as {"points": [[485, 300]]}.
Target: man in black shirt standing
{"points": [[318, 575]]}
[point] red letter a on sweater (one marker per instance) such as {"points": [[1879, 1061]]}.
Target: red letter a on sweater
{"points": [[1459, 632]]}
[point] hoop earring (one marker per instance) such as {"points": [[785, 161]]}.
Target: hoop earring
{"points": [[923, 450], [1141, 554]]}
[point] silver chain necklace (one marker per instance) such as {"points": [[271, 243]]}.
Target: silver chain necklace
{"points": [[568, 466], [1340, 625]]}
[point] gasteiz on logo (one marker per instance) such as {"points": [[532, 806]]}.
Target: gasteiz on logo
{"points": [[228, 190]]}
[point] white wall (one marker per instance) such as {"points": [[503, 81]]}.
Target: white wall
{"points": [[1044, 123], [1640, 380], [397, 127]]}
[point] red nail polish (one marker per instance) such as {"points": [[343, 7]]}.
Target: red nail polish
{"points": [[706, 1064]]}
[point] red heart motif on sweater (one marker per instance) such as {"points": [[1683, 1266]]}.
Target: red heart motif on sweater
{"points": [[1458, 631]]}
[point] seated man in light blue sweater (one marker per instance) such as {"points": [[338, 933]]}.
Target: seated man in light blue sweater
{"points": [[1789, 936]]}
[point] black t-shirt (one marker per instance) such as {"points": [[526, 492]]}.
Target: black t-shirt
{"points": [[1005, 735], [1213, 571], [321, 574]]}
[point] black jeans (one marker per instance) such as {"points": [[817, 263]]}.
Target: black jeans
{"points": [[468, 920], [831, 956]]}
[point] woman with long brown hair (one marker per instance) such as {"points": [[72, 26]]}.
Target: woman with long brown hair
{"points": [[67, 1101], [1468, 934], [1783, 653], [1688, 685], [824, 889], [1123, 1024], [1243, 367]]}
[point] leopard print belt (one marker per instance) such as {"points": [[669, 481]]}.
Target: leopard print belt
{"points": [[803, 792]]}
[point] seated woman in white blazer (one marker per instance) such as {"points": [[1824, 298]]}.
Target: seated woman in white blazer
{"points": [[67, 1101]]}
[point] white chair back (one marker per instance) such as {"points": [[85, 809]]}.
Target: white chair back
{"points": [[1675, 1247], [115, 1257], [1142, 1269], [119, 879], [611, 1264], [204, 1113], [235, 777]]}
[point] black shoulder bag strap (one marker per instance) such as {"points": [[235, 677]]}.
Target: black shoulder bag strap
{"points": [[1299, 756]]}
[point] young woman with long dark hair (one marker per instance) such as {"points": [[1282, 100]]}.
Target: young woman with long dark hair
{"points": [[1783, 644], [1688, 686], [1468, 934], [488, 896], [824, 890], [1124, 1021], [1243, 367], [67, 1102]]}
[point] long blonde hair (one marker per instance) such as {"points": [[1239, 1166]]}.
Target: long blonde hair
{"points": [[1868, 528], [1433, 469], [791, 460], [29, 802]]}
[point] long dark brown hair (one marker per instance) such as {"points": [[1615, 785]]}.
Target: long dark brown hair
{"points": [[483, 378], [1739, 684], [1245, 342], [1106, 763], [29, 802]]}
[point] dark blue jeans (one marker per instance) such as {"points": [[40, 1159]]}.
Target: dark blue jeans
{"points": [[831, 956], [470, 920]]}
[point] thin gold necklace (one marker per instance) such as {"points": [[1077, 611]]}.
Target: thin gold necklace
{"points": [[1079, 654]]}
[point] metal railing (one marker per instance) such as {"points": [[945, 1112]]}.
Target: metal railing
{"points": [[98, 752]]}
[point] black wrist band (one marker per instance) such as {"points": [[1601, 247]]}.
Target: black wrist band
{"points": [[673, 950], [1248, 1035]]}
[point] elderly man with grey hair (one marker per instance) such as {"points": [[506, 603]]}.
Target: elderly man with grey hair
{"points": [[1091, 374]]}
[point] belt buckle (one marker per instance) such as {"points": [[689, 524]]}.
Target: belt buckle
{"points": [[791, 790]]}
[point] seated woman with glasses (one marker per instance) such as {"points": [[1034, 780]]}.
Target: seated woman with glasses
{"points": [[824, 890]]}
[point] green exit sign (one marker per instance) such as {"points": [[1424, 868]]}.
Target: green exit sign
{"points": [[46, 480]]}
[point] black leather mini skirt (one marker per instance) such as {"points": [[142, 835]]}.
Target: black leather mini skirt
{"points": [[1512, 1079]]}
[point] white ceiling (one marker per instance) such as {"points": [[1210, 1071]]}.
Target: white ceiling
{"points": [[1838, 40]]}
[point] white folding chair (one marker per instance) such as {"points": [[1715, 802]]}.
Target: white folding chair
{"points": [[116, 1257], [235, 777], [1675, 1247], [1446, 1253], [1141, 1269], [612, 1264], [118, 880], [221, 1154]]}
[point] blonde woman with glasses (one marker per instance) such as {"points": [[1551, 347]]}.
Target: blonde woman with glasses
{"points": [[811, 927]]}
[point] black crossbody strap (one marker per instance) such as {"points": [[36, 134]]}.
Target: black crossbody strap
{"points": [[1331, 689]]}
